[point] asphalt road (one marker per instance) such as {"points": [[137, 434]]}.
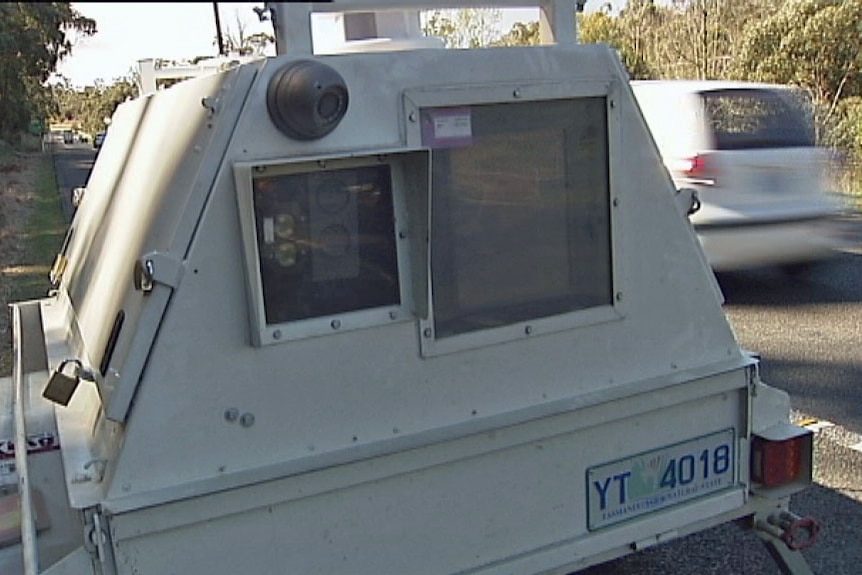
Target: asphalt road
{"points": [[808, 330], [72, 164]]}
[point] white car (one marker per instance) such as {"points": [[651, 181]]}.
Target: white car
{"points": [[748, 150]]}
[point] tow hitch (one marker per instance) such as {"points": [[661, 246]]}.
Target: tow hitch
{"points": [[786, 535]]}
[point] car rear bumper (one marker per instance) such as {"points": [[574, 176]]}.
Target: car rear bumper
{"points": [[744, 244]]}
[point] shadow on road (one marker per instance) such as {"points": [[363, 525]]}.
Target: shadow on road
{"points": [[838, 280]]}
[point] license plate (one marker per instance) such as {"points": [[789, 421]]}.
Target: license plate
{"points": [[644, 483]]}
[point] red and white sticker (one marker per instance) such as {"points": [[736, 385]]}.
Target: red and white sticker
{"points": [[36, 443]]}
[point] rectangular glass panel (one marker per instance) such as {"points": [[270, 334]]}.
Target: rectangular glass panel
{"points": [[326, 242], [520, 211]]}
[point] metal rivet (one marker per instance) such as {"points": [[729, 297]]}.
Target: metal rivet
{"points": [[246, 420], [336, 324], [276, 334], [517, 93], [616, 202], [528, 329], [427, 332], [412, 117], [393, 314], [619, 296], [231, 414]]}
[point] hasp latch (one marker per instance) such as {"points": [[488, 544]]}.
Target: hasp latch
{"points": [[157, 268]]}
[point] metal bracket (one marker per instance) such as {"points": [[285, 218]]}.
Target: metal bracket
{"points": [[157, 268], [78, 196], [211, 105], [687, 201], [58, 269]]}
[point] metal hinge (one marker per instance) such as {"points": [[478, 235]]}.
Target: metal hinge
{"points": [[97, 539], [157, 268]]}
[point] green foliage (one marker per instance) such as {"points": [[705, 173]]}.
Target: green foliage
{"points": [[464, 28], [843, 132], [846, 126], [33, 39], [601, 28], [810, 43]]}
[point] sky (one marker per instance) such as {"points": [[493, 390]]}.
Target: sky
{"points": [[129, 31]]}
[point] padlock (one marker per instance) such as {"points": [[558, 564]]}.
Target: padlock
{"points": [[61, 386]]}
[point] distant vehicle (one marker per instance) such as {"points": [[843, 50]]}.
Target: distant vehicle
{"points": [[68, 137], [98, 140], [748, 150]]}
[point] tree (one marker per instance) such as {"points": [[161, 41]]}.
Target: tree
{"points": [[601, 28], [464, 28], [88, 108], [33, 39], [810, 43], [238, 41], [521, 34], [700, 37]]}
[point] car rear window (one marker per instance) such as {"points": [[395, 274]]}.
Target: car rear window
{"points": [[758, 118]]}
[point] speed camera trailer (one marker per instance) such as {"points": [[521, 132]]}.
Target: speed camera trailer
{"points": [[376, 306]]}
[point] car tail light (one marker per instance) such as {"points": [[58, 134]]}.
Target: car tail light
{"points": [[782, 457], [697, 168]]}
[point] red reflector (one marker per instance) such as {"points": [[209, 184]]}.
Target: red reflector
{"points": [[776, 463]]}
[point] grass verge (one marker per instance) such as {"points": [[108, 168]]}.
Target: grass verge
{"points": [[41, 236], [31, 230]]}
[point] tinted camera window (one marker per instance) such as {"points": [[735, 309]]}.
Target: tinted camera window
{"points": [[758, 119], [520, 212], [326, 242]]}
